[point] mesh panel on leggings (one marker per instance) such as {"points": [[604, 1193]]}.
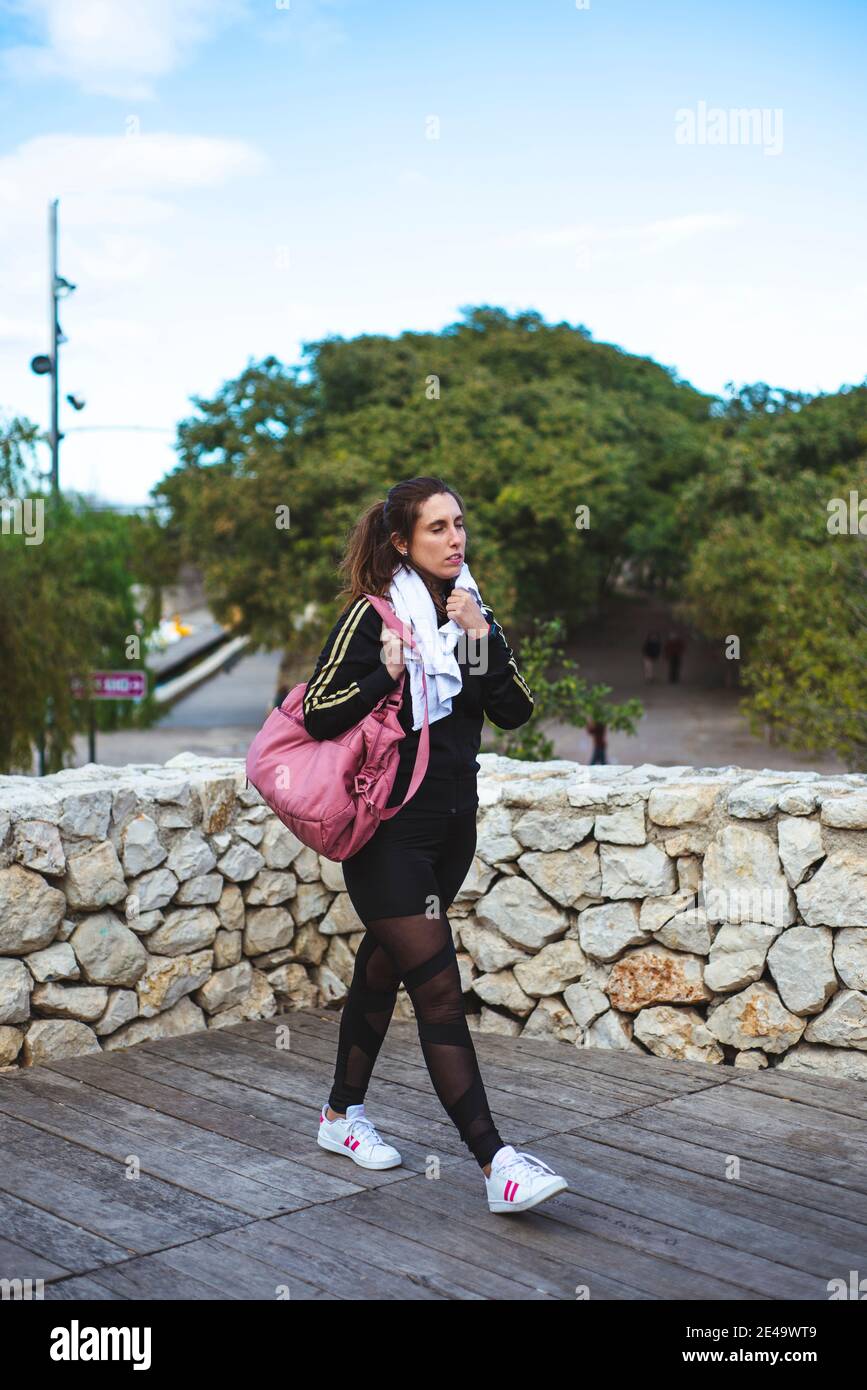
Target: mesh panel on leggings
{"points": [[422, 952], [364, 1022]]}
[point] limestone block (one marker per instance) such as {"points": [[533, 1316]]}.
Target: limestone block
{"points": [[607, 930], [744, 881], [94, 878], [836, 895], [107, 951], [679, 1034], [756, 1018], [802, 965], [653, 974]]}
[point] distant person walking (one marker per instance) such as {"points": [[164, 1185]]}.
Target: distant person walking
{"points": [[597, 732], [674, 649], [651, 652]]}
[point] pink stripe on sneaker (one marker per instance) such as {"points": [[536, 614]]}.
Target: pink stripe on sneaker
{"points": [[514, 1190], [506, 1193]]}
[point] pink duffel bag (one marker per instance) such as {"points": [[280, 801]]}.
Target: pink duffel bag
{"points": [[332, 792]]}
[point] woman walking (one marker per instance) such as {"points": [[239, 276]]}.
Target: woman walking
{"points": [[411, 550]]}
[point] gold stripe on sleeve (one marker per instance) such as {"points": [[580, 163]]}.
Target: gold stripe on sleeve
{"points": [[313, 694], [516, 675], [339, 696]]}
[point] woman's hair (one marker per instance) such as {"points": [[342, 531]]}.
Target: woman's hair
{"points": [[371, 558]]}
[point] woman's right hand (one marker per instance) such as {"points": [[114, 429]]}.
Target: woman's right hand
{"points": [[392, 651]]}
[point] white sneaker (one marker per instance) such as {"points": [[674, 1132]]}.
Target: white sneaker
{"points": [[356, 1137], [513, 1173]]}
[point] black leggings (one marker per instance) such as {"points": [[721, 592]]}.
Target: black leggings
{"points": [[401, 883]]}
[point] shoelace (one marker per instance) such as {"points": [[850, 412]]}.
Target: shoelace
{"points": [[361, 1124], [527, 1164]]}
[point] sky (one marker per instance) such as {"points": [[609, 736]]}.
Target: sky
{"points": [[238, 177]]}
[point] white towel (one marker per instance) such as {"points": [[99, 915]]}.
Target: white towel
{"points": [[411, 600]]}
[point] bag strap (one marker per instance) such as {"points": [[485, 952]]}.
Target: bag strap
{"points": [[390, 618]]}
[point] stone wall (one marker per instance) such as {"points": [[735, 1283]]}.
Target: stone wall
{"points": [[717, 915]]}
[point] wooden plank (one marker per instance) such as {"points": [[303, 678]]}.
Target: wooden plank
{"points": [[587, 1252], [232, 1273], [54, 1238], [829, 1093], [415, 1262], [220, 1176], [50, 1187], [62, 1177], [226, 1114], [331, 1262], [601, 1204], [770, 1118], [414, 1094], [748, 1253], [416, 1135], [770, 1166], [16, 1262], [244, 1158], [641, 1069], [397, 1113], [752, 1100], [817, 1234], [480, 1255], [157, 1277], [753, 1108], [725, 1134], [413, 1079], [78, 1289], [305, 1091], [133, 1080], [149, 1277], [289, 1129]]}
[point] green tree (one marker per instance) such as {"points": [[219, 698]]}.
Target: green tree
{"points": [[527, 420], [769, 572], [68, 605]]}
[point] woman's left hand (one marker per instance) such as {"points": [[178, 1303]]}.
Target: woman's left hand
{"points": [[463, 609]]}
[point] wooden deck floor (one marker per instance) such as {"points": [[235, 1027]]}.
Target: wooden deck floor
{"points": [[235, 1200]]}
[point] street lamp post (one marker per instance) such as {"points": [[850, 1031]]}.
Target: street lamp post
{"points": [[49, 365], [44, 365], [55, 366]]}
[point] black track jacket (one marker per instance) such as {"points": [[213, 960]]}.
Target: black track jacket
{"points": [[350, 678]]}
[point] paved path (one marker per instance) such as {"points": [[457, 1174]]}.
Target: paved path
{"points": [[695, 722], [235, 1200]]}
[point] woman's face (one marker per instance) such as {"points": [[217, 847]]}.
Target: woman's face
{"points": [[438, 544]]}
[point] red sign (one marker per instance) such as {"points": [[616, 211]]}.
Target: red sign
{"points": [[111, 685]]}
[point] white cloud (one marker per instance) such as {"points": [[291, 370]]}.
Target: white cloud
{"points": [[116, 193], [114, 47], [124, 163], [611, 243]]}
